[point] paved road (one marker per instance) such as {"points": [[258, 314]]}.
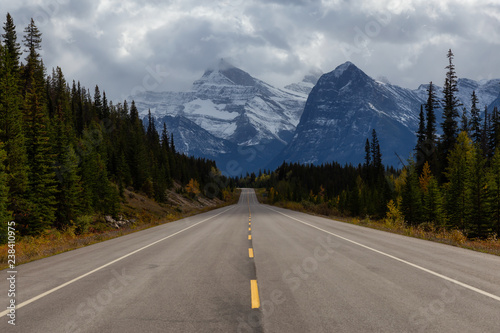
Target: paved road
{"points": [[256, 268]]}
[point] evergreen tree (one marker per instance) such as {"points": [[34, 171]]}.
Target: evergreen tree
{"points": [[485, 134], [421, 138], [376, 154], [464, 123], [457, 173], [42, 185], [451, 103], [5, 215], [494, 132], [430, 107], [477, 204], [98, 107], [494, 192], [12, 132], [34, 68], [475, 120], [412, 197], [12, 47], [368, 157]]}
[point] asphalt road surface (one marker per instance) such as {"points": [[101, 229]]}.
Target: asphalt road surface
{"points": [[257, 268]]}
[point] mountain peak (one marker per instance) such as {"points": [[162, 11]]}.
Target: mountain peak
{"points": [[342, 68], [227, 74]]}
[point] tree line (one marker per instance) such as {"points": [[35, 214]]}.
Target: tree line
{"points": [[454, 179], [65, 153], [451, 181]]}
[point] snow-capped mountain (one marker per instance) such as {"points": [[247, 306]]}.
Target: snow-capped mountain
{"points": [[346, 104], [245, 124], [241, 113], [305, 86]]}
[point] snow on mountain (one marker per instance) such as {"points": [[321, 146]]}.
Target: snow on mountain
{"points": [[346, 104], [308, 82], [230, 105], [245, 124]]}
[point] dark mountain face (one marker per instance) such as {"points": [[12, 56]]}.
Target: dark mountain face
{"points": [[340, 113]]}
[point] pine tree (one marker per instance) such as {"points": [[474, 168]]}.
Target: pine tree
{"points": [[456, 190], [368, 157], [12, 132], [495, 130], [451, 103], [375, 150], [430, 115], [34, 67], [42, 185], [485, 134], [12, 47], [464, 123], [475, 120], [98, 103], [494, 192], [5, 214], [421, 138], [412, 197], [477, 203]]}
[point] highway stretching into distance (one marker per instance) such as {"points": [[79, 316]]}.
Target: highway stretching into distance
{"points": [[257, 268]]}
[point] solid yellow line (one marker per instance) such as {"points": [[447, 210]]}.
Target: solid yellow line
{"points": [[250, 252], [255, 294], [249, 237]]}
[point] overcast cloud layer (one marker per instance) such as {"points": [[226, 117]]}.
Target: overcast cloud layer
{"points": [[130, 45]]}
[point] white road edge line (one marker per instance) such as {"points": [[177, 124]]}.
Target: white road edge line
{"points": [[444, 277], [106, 265]]}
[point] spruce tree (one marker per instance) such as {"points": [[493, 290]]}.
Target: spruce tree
{"points": [[457, 172], [5, 214], [475, 120], [430, 115], [12, 132], [476, 186], [451, 103], [464, 123], [368, 157], [494, 192], [421, 138], [42, 185], [412, 197], [12, 47], [34, 67]]}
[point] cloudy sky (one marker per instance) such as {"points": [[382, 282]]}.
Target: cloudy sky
{"points": [[126, 46]]}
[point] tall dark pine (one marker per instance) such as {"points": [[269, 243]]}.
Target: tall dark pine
{"points": [[421, 132], [494, 132], [475, 120], [375, 149], [464, 122], [34, 66], [451, 103], [12, 47], [430, 114], [368, 157]]}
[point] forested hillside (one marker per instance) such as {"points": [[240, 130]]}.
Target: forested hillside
{"points": [[67, 153]]}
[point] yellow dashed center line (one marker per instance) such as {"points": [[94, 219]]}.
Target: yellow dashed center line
{"points": [[255, 294], [249, 237]]}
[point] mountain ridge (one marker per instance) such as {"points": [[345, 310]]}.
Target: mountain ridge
{"points": [[325, 117]]}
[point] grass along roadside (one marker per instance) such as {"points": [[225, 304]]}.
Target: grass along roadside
{"points": [[145, 211], [423, 231]]}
